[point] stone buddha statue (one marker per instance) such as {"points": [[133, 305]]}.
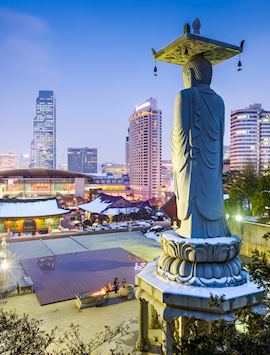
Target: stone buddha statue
{"points": [[197, 154]]}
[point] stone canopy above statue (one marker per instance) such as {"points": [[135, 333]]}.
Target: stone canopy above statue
{"points": [[186, 46]]}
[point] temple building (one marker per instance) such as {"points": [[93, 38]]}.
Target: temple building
{"points": [[30, 216], [113, 205]]}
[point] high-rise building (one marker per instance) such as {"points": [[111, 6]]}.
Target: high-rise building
{"points": [[24, 161], [43, 146], [250, 138], [8, 161], [127, 154], [117, 170], [226, 158], [167, 175], [145, 150], [82, 160]]}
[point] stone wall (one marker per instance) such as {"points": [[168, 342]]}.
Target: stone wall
{"points": [[251, 235]]}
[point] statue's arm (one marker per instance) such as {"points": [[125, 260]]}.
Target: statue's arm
{"points": [[222, 136], [179, 133]]}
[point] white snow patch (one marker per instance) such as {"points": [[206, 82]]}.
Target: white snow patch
{"points": [[149, 275], [39, 208], [95, 206], [171, 235], [153, 236], [124, 210]]}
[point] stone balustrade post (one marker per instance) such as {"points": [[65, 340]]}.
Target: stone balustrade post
{"points": [[153, 317], [143, 343], [168, 337]]}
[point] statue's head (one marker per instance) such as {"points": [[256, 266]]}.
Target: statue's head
{"points": [[198, 70]]}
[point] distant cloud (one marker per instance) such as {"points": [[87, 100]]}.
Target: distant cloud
{"points": [[24, 43], [22, 21]]}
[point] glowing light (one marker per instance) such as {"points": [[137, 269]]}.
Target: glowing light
{"points": [[227, 216], [4, 265], [139, 107], [238, 218], [99, 293], [241, 132]]}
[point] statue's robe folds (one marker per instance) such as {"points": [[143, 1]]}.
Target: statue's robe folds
{"points": [[197, 155]]}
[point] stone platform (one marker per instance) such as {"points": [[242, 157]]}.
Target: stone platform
{"points": [[172, 299], [193, 278]]}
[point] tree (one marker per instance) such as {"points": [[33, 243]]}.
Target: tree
{"points": [[144, 214], [72, 343], [103, 218], [260, 200], [243, 187], [23, 335]]}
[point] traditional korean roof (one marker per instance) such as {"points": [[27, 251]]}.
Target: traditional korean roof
{"points": [[23, 208], [124, 210], [99, 204], [106, 204]]}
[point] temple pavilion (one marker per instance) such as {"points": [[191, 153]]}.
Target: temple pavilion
{"points": [[113, 205], [30, 215]]}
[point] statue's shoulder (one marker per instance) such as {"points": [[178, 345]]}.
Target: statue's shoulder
{"points": [[183, 94], [219, 99]]}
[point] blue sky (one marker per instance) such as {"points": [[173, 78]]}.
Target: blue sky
{"points": [[96, 56]]}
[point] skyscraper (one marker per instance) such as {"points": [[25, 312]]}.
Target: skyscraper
{"points": [[145, 150], [82, 160], [250, 138], [127, 154], [43, 146], [8, 161], [24, 161]]}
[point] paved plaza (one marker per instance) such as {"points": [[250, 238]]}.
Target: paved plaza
{"points": [[60, 278], [134, 242], [90, 320]]}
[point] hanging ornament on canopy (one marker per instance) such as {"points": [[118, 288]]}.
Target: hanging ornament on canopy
{"points": [[155, 67], [239, 64]]}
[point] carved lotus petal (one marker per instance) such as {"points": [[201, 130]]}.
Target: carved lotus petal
{"points": [[185, 268], [175, 266]]}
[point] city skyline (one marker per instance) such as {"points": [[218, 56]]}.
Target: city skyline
{"points": [[84, 73]]}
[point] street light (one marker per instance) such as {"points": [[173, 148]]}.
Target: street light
{"points": [[238, 218], [5, 265]]}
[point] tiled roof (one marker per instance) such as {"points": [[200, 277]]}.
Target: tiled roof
{"points": [[30, 208], [106, 204]]}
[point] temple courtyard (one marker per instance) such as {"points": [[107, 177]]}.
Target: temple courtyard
{"points": [[62, 314]]}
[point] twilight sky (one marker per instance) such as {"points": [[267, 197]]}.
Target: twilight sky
{"points": [[96, 56]]}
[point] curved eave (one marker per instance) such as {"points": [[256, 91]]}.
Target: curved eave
{"points": [[37, 216], [215, 51]]}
